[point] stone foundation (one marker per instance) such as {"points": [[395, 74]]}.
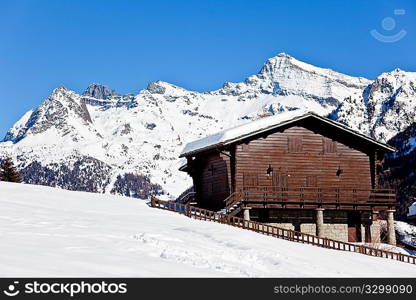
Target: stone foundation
{"points": [[335, 223], [308, 228], [332, 231], [375, 229], [336, 232], [283, 225]]}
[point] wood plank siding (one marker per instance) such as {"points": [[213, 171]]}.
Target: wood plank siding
{"points": [[212, 177], [301, 158]]}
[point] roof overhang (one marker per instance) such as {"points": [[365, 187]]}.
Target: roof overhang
{"points": [[288, 122], [183, 168]]}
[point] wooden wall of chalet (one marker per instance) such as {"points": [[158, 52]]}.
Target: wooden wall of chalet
{"points": [[212, 180], [301, 158]]}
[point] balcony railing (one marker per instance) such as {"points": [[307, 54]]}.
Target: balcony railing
{"points": [[319, 196]]}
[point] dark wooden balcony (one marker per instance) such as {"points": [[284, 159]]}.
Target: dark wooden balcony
{"points": [[314, 197]]}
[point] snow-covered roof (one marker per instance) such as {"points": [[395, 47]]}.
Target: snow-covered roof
{"points": [[412, 210], [237, 133]]}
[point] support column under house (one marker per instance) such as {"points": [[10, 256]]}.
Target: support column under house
{"points": [[391, 233], [246, 213], [320, 222]]}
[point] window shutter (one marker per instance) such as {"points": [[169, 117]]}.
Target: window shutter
{"points": [[311, 181], [329, 146], [294, 144]]}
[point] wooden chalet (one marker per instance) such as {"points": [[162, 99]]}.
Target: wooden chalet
{"points": [[297, 170]]}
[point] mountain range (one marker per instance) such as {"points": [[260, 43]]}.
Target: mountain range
{"points": [[102, 141]]}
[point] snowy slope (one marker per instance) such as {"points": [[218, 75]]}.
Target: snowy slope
{"points": [[52, 232], [104, 142]]}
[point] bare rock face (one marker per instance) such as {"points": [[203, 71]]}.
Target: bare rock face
{"points": [[156, 88], [385, 107], [101, 141], [63, 110], [99, 91]]}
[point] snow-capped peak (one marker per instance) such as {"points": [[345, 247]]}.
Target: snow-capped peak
{"points": [[283, 54], [397, 76], [278, 62], [59, 91], [283, 61], [162, 87]]}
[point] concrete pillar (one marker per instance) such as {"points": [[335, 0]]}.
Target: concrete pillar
{"points": [[363, 232], [320, 222], [375, 227], [246, 213], [391, 233]]}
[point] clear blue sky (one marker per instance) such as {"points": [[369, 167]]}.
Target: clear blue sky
{"points": [[194, 44]]}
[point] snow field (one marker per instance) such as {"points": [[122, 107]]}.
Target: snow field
{"points": [[52, 232]]}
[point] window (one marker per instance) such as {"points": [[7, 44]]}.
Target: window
{"points": [[329, 146], [294, 144], [211, 170]]}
